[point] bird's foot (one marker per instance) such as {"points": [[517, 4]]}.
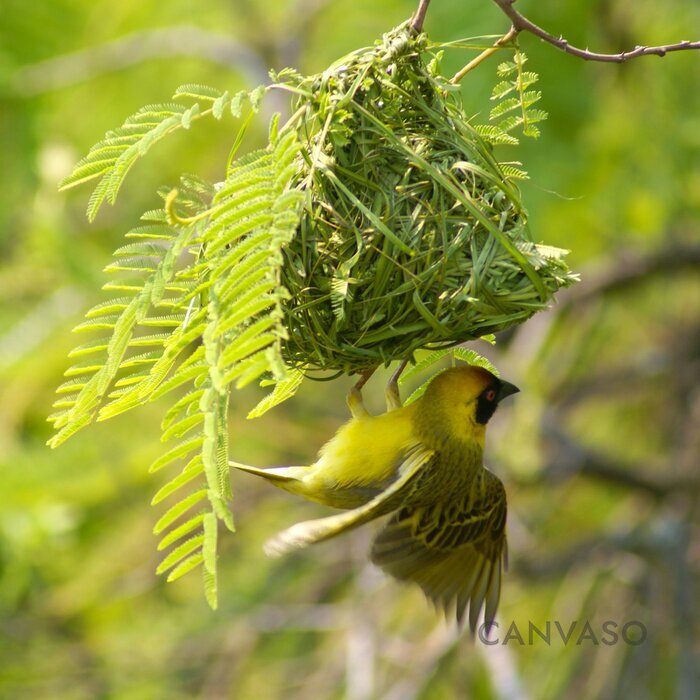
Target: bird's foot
{"points": [[354, 397], [393, 398], [355, 403]]}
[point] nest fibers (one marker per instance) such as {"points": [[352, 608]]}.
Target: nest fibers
{"points": [[412, 235]]}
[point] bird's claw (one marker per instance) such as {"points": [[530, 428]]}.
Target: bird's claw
{"points": [[354, 397], [355, 403], [393, 398]]}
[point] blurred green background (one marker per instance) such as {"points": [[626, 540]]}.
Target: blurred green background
{"points": [[599, 452]]}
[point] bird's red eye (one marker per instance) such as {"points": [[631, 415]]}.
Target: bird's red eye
{"points": [[490, 394]]}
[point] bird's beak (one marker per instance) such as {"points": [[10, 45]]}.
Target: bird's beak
{"points": [[507, 389]]}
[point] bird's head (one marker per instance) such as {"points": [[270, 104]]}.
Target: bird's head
{"points": [[458, 404]]}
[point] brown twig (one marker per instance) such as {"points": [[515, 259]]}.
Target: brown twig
{"points": [[522, 24], [419, 17], [365, 374]]}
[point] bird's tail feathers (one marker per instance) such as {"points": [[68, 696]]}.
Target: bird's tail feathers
{"points": [[274, 474]]}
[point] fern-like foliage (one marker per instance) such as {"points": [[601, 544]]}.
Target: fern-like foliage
{"points": [[132, 329], [283, 390], [515, 99], [197, 307], [110, 159], [514, 109]]}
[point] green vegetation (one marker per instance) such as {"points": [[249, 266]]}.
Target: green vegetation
{"points": [[599, 453]]}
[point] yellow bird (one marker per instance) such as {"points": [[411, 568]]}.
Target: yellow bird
{"points": [[422, 464]]}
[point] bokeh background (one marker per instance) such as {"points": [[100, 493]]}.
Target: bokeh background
{"points": [[599, 452]]}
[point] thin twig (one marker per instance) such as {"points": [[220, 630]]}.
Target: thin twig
{"points": [[365, 374], [419, 17], [505, 39], [522, 24]]}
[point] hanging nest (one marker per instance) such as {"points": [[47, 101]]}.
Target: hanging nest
{"points": [[412, 234]]}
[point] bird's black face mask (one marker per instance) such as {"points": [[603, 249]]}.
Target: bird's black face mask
{"points": [[488, 400]]}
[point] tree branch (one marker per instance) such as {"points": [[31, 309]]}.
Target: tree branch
{"points": [[419, 17], [572, 458], [522, 24]]}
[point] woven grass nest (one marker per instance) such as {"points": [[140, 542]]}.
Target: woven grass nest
{"points": [[412, 236]]}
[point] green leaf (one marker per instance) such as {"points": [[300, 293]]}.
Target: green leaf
{"points": [[514, 106], [237, 103], [111, 158], [219, 105], [178, 509], [184, 425], [284, 389], [198, 92], [181, 530], [180, 450], [506, 68], [256, 97], [502, 89], [180, 552], [496, 135], [419, 367], [187, 475], [185, 567], [504, 107], [466, 355], [420, 390], [474, 359]]}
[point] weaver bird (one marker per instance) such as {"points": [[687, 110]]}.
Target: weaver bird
{"points": [[422, 464]]}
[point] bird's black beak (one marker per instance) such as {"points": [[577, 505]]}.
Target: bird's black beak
{"points": [[506, 389]]}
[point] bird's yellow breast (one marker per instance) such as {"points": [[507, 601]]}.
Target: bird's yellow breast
{"points": [[364, 453]]}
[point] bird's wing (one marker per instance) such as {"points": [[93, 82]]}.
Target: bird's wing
{"points": [[454, 551], [312, 531]]}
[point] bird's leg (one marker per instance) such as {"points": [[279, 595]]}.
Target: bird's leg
{"points": [[393, 400], [354, 397]]}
